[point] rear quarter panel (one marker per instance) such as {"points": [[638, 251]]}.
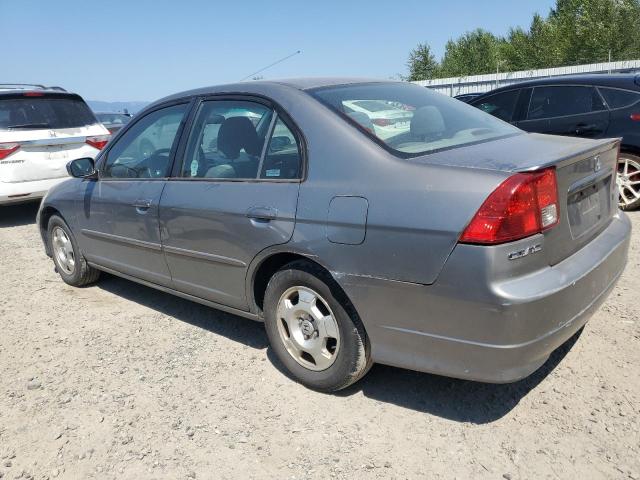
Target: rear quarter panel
{"points": [[415, 211]]}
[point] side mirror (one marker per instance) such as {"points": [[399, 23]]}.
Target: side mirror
{"points": [[82, 168]]}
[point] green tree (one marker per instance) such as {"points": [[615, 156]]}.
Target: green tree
{"points": [[574, 32], [422, 63], [587, 30], [473, 53]]}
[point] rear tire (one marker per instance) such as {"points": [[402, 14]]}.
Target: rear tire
{"points": [[67, 256], [313, 329], [628, 181]]}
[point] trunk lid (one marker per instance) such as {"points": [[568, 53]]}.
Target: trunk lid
{"points": [[44, 154], [585, 171]]}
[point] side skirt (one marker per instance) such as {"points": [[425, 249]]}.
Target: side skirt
{"points": [[186, 296]]}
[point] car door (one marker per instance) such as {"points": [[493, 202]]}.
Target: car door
{"points": [[119, 219], [234, 193], [573, 110]]}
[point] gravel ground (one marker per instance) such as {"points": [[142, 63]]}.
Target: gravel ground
{"points": [[120, 381]]}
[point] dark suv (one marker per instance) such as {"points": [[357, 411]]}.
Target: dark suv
{"points": [[593, 106]]}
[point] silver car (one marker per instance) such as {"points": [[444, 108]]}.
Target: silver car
{"points": [[461, 245]]}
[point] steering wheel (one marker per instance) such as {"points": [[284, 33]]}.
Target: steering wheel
{"points": [[156, 155]]}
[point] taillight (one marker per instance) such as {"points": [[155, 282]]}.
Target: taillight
{"points": [[7, 149], [33, 94], [523, 205], [98, 141], [635, 117], [382, 122]]}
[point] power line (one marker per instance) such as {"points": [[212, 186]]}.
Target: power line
{"points": [[271, 65]]}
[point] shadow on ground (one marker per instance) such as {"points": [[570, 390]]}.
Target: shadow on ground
{"points": [[18, 215], [235, 328], [458, 400]]}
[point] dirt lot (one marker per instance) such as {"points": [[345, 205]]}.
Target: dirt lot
{"points": [[121, 381]]}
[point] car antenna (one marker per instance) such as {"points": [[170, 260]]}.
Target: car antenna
{"points": [[271, 65]]}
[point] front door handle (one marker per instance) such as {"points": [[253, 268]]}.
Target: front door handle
{"points": [[142, 205], [262, 214]]}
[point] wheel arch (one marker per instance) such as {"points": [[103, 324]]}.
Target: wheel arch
{"points": [[269, 262], [45, 215], [632, 149]]}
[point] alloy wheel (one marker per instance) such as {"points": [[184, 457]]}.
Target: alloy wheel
{"points": [[628, 180], [308, 328], [63, 250]]}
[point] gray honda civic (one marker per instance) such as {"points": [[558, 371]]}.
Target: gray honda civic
{"points": [[361, 221]]}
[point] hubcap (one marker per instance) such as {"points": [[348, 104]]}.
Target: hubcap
{"points": [[308, 328], [63, 250], [628, 181]]}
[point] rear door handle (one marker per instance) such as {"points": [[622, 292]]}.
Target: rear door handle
{"points": [[585, 127], [262, 214]]}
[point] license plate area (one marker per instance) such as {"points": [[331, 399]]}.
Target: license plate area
{"points": [[589, 207]]}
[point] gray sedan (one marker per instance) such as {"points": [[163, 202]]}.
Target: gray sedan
{"points": [[455, 243]]}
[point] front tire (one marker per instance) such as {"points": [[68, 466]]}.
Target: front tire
{"points": [[628, 181], [67, 256], [313, 329]]}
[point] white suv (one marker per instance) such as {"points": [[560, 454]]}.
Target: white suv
{"points": [[41, 130]]}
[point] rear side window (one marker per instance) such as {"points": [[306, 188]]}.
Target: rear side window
{"points": [[560, 101], [501, 105], [47, 112], [619, 98], [282, 159]]}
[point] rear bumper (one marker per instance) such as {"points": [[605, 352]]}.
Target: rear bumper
{"points": [[477, 322], [19, 192]]}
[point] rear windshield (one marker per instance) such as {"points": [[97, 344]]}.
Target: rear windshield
{"points": [[44, 112], [416, 120]]}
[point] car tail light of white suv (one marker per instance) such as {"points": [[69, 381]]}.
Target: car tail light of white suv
{"points": [[99, 141], [7, 149]]}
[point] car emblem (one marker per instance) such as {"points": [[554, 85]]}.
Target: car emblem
{"points": [[598, 165], [52, 133]]}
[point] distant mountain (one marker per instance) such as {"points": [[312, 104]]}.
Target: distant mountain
{"points": [[131, 107]]}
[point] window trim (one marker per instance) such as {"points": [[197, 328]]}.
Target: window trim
{"points": [[104, 156], [611, 109], [279, 112], [533, 91]]}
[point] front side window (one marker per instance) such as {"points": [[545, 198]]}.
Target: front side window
{"points": [[619, 98], [144, 150], [560, 101], [501, 105], [227, 140], [412, 120]]}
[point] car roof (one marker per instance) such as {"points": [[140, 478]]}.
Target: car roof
{"points": [[14, 88], [305, 83], [615, 80]]}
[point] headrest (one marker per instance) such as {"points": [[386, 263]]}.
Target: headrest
{"points": [[235, 134], [427, 121], [362, 119]]}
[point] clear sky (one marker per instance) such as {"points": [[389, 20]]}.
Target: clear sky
{"points": [[126, 50]]}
